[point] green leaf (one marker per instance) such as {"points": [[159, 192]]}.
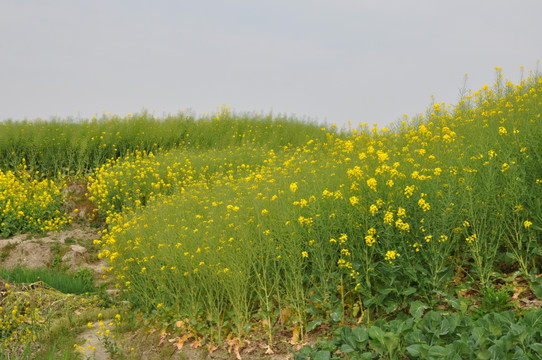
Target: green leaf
{"points": [[495, 329], [447, 325], [417, 308], [408, 291], [317, 298], [346, 349], [415, 337], [418, 350], [390, 304], [304, 352], [519, 331], [431, 322], [391, 341], [401, 326], [512, 277], [478, 335], [376, 333], [511, 256], [498, 350], [461, 348], [386, 291], [313, 324], [456, 304], [336, 316], [483, 354], [437, 352], [360, 336], [355, 310], [533, 319], [377, 336], [536, 286], [322, 355], [537, 348]]}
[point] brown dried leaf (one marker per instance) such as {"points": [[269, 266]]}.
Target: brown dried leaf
{"points": [[163, 336], [180, 344], [517, 292], [181, 340], [196, 344], [236, 351], [295, 335]]}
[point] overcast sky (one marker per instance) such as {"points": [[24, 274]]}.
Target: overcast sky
{"points": [[328, 61]]}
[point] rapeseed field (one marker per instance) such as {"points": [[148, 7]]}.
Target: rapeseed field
{"points": [[239, 225]]}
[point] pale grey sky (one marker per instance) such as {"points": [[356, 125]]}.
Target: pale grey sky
{"points": [[333, 61]]}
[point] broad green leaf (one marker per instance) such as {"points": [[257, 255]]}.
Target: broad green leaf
{"points": [[512, 277], [461, 348], [415, 337], [537, 287], [418, 350], [417, 308], [437, 352], [447, 325], [376, 333], [377, 336], [495, 329], [497, 351], [408, 291], [360, 335], [346, 349], [391, 341], [336, 316], [401, 326], [386, 291], [345, 332], [390, 304], [313, 324], [321, 355], [537, 348], [431, 322], [478, 335], [519, 331], [305, 351], [317, 298], [533, 319], [483, 354]]}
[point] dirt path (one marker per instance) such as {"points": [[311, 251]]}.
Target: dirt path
{"points": [[93, 347]]}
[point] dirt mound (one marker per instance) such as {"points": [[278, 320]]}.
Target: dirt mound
{"points": [[68, 249]]}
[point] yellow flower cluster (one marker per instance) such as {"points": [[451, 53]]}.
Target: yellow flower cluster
{"points": [[29, 205], [391, 255]]}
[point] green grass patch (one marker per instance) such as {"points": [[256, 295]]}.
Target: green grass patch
{"points": [[79, 284]]}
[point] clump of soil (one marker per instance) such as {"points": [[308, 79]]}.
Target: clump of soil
{"points": [[70, 250]]}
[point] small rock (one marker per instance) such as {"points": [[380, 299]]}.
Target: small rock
{"points": [[74, 255]]}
